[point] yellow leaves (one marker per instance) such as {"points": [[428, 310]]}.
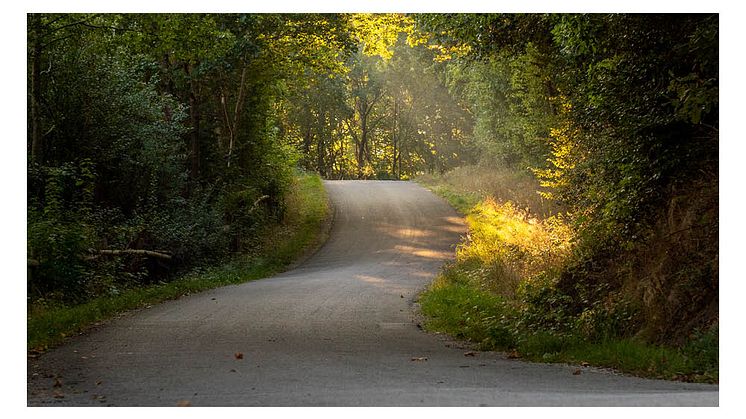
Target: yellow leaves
{"points": [[565, 151], [378, 33], [566, 154], [447, 53], [416, 38]]}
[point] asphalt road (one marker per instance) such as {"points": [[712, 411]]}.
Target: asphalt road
{"points": [[339, 330]]}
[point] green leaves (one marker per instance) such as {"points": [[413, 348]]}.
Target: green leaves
{"points": [[617, 116], [693, 97]]}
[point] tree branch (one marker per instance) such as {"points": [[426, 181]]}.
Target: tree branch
{"points": [[159, 254]]}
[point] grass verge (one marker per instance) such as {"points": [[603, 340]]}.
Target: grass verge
{"points": [[466, 313], [301, 232], [478, 298]]}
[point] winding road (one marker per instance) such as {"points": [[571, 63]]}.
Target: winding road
{"points": [[341, 329]]}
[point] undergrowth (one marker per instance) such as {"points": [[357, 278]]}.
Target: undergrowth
{"points": [[504, 291], [306, 211]]}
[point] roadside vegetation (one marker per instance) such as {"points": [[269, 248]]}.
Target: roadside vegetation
{"points": [[593, 203], [583, 149], [301, 231], [161, 143], [502, 291]]}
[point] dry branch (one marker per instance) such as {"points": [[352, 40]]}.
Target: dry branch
{"points": [[159, 254]]}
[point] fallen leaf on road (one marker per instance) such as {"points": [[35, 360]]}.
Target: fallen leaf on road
{"points": [[419, 358], [238, 355], [470, 353], [513, 354], [98, 383], [58, 395], [57, 382], [576, 372], [183, 403]]}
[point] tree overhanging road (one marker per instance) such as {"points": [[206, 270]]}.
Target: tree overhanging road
{"points": [[338, 330]]}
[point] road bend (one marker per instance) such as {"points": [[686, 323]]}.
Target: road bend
{"points": [[339, 330]]}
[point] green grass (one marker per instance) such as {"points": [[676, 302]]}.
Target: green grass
{"points": [[307, 211], [461, 311], [466, 313], [463, 202]]}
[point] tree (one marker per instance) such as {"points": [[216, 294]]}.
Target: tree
{"points": [[157, 134], [617, 116]]}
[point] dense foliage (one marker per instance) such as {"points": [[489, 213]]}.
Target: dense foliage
{"points": [[617, 117], [158, 133], [161, 141]]}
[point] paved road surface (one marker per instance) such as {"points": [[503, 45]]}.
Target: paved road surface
{"points": [[339, 330]]}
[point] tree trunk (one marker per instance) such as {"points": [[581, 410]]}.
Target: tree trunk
{"points": [[320, 146], [37, 146], [363, 145], [228, 125], [237, 112], [394, 143], [307, 139], [194, 118]]}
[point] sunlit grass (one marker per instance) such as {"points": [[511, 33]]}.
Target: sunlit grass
{"points": [[506, 243], [512, 245]]}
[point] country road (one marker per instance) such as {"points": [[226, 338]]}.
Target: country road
{"points": [[341, 329]]}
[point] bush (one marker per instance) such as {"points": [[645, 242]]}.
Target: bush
{"points": [[702, 351], [58, 248]]}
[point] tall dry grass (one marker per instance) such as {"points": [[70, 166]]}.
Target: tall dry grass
{"points": [[514, 234], [499, 183], [507, 245], [676, 274]]}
